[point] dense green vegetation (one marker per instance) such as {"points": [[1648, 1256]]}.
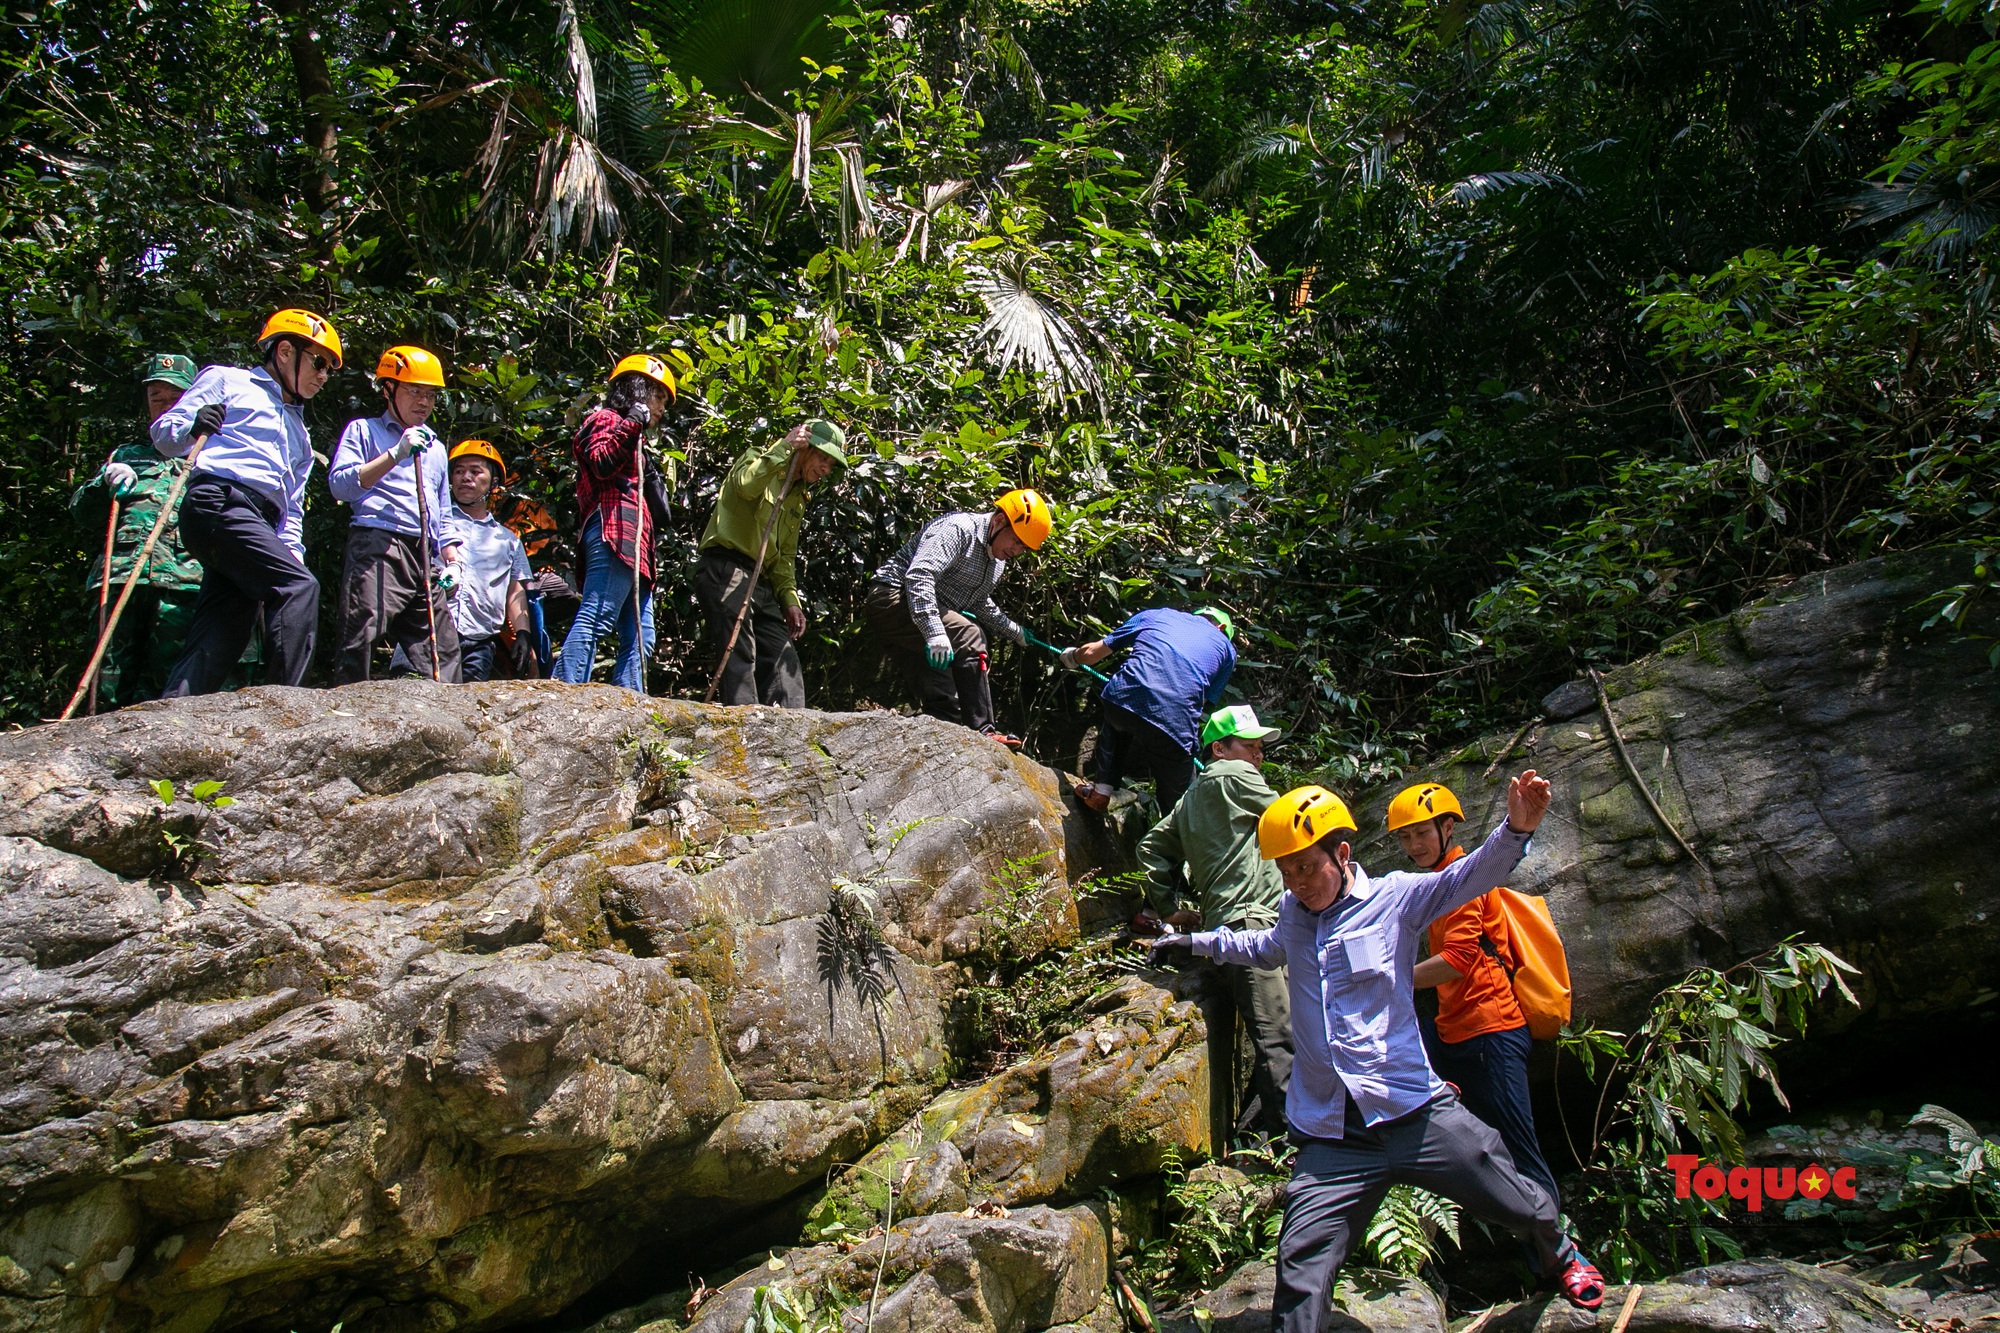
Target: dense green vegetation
{"points": [[1450, 346]]}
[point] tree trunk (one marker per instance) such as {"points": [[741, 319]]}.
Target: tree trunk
{"points": [[316, 99]]}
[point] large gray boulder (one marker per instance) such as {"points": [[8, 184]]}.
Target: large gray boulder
{"points": [[1105, 1104], [983, 1271], [471, 991], [1823, 752]]}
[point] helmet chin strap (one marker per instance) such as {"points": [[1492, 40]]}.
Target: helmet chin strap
{"points": [[292, 389]]}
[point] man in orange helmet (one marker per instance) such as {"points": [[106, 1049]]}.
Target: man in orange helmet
{"points": [[927, 603], [392, 469], [491, 604], [243, 514], [1479, 1041]]}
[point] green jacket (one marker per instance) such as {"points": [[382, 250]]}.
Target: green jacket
{"points": [[170, 568], [755, 482], [1213, 830]]}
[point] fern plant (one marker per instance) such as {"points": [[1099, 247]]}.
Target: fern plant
{"points": [[1402, 1236]]}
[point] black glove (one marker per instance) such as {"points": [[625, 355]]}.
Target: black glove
{"points": [[526, 667], [208, 418], [640, 413], [1168, 950]]}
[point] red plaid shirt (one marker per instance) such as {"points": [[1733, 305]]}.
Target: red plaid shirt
{"points": [[607, 483]]}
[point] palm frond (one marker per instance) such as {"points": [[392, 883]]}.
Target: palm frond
{"points": [[1025, 327], [1481, 184], [1267, 139], [583, 75]]}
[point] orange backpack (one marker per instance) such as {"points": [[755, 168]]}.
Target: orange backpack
{"points": [[1538, 970]]}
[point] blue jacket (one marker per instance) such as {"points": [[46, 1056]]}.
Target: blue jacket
{"points": [[1176, 672]]}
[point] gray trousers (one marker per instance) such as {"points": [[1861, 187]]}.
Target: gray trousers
{"points": [[764, 666], [1262, 1001], [1337, 1184], [382, 594]]}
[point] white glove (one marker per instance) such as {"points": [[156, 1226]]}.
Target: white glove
{"points": [[120, 478], [411, 440], [446, 579], [937, 653], [1072, 658]]}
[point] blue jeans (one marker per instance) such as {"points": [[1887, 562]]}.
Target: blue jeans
{"points": [[608, 608]]}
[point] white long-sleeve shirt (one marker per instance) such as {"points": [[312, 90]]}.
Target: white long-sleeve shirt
{"points": [[1354, 1015], [262, 444], [391, 503]]}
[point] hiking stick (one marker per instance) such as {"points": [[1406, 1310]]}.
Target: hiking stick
{"points": [[167, 508], [638, 534], [424, 550], [104, 587], [757, 569]]}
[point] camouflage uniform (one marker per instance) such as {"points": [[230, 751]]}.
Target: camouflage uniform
{"points": [[151, 632]]}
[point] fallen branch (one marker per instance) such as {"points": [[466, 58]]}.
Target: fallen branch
{"points": [[1501, 758], [1632, 771], [1631, 1303]]}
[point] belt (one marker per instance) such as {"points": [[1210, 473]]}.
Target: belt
{"points": [[730, 554]]}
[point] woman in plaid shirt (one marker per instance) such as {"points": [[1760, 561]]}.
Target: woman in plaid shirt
{"points": [[615, 553]]}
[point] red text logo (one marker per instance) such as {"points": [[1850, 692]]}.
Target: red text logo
{"points": [[1754, 1184]]}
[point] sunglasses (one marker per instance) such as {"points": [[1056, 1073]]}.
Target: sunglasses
{"points": [[319, 363]]}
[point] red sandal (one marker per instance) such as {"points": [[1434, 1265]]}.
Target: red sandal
{"points": [[1581, 1284]]}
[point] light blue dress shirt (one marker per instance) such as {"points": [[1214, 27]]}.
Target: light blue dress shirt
{"points": [[391, 503], [1354, 1016], [494, 561], [262, 444]]}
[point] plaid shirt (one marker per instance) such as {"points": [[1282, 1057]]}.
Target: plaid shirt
{"points": [[607, 484], [949, 566]]}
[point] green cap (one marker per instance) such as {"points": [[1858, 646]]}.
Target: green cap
{"points": [[1221, 619], [169, 368], [1237, 720], [828, 438]]}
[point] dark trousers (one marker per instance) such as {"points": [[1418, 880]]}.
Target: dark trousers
{"points": [[1491, 1071], [1337, 1184], [764, 664], [475, 659], [1258, 998], [961, 694], [384, 591], [1129, 744], [233, 532]]}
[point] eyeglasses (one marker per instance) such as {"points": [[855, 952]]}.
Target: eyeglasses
{"points": [[320, 363], [419, 393]]}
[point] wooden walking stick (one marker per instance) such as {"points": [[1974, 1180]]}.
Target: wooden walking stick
{"points": [[756, 569], [424, 549], [167, 508], [104, 589], [640, 515]]}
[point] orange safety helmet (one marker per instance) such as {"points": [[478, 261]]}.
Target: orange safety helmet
{"points": [[306, 325], [1425, 801], [1298, 819], [652, 367], [410, 365], [478, 449], [1028, 513]]}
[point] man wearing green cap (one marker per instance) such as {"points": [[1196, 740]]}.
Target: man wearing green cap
{"points": [[1176, 667], [1206, 850], [136, 478], [757, 517]]}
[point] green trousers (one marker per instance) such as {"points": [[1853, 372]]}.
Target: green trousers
{"points": [[147, 642]]}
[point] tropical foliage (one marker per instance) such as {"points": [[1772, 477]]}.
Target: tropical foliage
{"points": [[1450, 347]]}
